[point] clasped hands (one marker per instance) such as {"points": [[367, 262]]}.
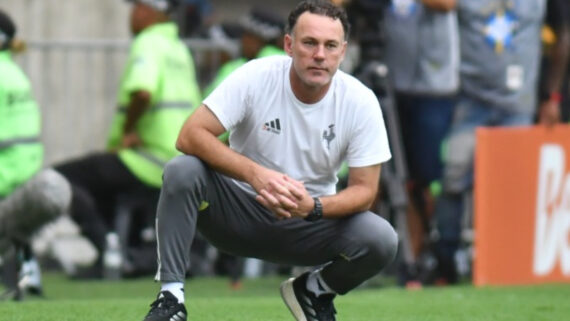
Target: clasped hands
{"points": [[283, 195]]}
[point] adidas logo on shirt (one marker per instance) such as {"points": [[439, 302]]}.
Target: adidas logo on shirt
{"points": [[273, 126]]}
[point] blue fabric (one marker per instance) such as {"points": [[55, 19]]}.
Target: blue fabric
{"points": [[424, 122], [460, 143]]}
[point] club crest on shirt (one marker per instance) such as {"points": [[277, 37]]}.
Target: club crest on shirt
{"points": [[329, 135]]}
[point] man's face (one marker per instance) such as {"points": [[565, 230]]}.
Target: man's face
{"points": [[317, 47], [140, 16]]}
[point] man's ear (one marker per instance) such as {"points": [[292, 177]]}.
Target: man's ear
{"points": [[288, 44]]}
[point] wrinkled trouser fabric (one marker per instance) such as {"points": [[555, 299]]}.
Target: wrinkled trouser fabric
{"points": [[354, 248]]}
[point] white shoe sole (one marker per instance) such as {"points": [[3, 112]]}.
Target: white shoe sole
{"points": [[288, 295]]}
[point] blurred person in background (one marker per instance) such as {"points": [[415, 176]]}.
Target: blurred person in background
{"points": [[271, 194], [554, 87], [422, 54], [158, 91], [261, 31], [499, 65], [30, 196], [197, 16]]}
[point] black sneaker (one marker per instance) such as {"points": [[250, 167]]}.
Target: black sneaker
{"points": [[303, 304], [166, 308]]}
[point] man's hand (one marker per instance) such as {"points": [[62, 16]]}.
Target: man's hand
{"points": [[549, 113], [130, 140], [281, 194], [440, 5]]}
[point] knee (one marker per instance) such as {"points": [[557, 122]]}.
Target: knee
{"points": [[53, 192], [378, 239], [182, 172]]}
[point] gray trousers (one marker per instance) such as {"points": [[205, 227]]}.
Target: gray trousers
{"points": [[354, 248], [41, 199]]}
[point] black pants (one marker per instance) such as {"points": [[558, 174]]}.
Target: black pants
{"points": [[97, 180]]}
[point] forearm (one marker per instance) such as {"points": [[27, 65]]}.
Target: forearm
{"points": [[199, 137], [206, 146], [440, 5], [358, 196], [138, 104], [559, 61], [550, 92], [353, 199]]}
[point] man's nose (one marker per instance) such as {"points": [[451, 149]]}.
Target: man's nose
{"points": [[319, 52]]}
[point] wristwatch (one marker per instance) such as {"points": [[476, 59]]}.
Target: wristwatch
{"points": [[317, 212]]}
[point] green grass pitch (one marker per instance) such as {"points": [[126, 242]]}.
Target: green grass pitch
{"points": [[211, 299]]}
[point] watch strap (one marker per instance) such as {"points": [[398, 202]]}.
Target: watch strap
{"points": [[317, 212]]}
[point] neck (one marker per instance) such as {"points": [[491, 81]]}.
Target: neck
{"points": [[305, 93]]}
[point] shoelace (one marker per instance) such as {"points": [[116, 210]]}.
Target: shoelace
{"points": [[161, 305]]}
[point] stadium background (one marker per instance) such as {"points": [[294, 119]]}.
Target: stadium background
{"points": [[76, 50]]}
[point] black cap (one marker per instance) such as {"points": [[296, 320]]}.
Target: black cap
{"points": [[165, 6], [7, 30], [263, 23]]}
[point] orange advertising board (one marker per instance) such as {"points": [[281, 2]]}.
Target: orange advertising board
{"points": [[522, 206]]}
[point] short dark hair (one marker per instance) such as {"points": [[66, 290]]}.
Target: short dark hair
{"points": [[7, 30], [320, 7]]}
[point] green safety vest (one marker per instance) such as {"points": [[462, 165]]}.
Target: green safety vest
{"points": [[21, 152], [160, 63], [270, 50]]}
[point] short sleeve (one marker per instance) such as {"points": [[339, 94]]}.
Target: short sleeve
{"points": [[368, 144]]}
